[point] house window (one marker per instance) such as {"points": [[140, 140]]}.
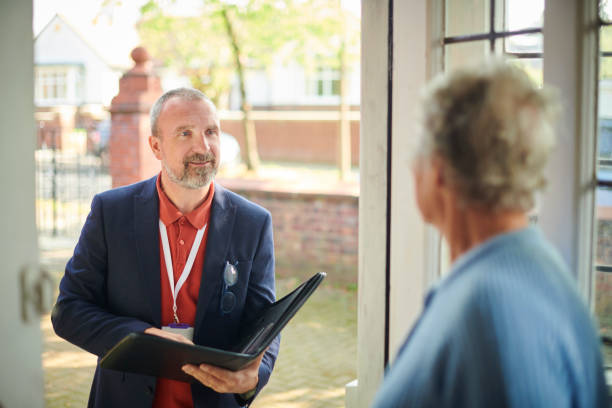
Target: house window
{"points": [[57, 84], [325, 83], [52, 84], [603, 254]]}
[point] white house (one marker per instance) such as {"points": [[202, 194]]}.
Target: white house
{"points": [[291, 85], [69, 71], [74, 84]]}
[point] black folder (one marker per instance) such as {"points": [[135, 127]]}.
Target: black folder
{"points": [[156, 356]]}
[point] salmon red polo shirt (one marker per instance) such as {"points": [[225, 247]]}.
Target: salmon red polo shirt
{"points": [[181, 229]]}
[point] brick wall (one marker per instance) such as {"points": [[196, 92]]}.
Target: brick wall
{"points": [[312, 141], [49, 133], [312, 232]]}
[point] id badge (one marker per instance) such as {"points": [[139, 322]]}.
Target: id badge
{"points": [[180, 328]]}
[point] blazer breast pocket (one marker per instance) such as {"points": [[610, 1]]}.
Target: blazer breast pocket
{"points": [[234, 287]]}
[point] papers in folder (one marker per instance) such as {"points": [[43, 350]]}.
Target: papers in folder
{"points": [[156, 356]]}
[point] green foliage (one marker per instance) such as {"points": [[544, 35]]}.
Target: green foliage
{"points": [[193, 46], [309, 32]]}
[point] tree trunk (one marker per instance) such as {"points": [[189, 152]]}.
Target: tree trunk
{"points": [[250, 139]]}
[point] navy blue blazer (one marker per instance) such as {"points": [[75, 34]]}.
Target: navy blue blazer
{"points": [[112, 285]]}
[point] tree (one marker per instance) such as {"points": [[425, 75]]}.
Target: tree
{"points": [[248, 125], [328, 37], [228, 45], [248, 34], [194, 46]]}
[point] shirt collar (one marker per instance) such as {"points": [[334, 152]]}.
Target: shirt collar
{"points": [[169, 213], [462, 263]]}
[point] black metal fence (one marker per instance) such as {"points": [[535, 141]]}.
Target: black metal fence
{"points": [[65, 186]]}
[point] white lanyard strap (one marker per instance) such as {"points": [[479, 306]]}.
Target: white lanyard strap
{"points": [[168, 259]]}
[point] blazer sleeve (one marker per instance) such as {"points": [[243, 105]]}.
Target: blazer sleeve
{"points": [[80, 314], [261, 291]]}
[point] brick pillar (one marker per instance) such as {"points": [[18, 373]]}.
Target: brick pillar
{"points": [[131, 159]]}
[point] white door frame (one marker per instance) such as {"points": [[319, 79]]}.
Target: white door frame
{"points": [[21, 376]]}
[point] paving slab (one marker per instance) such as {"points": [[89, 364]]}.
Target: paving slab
{"points": [[317, 357]]}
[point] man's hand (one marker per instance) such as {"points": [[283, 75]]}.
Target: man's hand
{"points": [[226, 381], [167, 335]]}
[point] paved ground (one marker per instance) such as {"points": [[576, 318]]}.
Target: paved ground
{"points": [[318, 350]]}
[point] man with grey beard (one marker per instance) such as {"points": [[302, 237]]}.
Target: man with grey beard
{"points": [[176, 256]]}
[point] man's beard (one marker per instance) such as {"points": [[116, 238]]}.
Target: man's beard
{"points": [[194, 177]]}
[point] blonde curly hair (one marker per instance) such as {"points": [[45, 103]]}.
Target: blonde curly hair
{"points": [[493, 128]]}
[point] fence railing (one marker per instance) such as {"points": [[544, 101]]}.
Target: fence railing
{"points": [[65, 186]]}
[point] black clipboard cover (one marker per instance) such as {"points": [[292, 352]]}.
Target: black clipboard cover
{"points": [[156, 356]]}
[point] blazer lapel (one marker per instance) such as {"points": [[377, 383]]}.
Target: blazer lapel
{"points": [[146, 225], [220, 224]]}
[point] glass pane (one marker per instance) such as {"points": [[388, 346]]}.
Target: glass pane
{"points": [[605, 38], [604, 149], [603, 311], [521, 14], [603, 279], [320, 90], [605, 10], [533, 67], [604, 141], [465, 54], [335, 85], [605, 72], [523, 43], [464, 17]]}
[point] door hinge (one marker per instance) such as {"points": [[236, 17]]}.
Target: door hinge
{"points": [[36, 287]]}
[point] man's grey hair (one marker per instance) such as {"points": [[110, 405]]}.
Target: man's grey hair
{"points": [[493, 128], [189, 94]]}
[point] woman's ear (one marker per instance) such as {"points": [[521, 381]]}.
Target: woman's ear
{"points": [[438, 166]]}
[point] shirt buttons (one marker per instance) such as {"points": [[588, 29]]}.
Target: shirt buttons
{"points": [[182, 242]]}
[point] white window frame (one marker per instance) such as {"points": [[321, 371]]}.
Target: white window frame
{"points": [[325, 77], [570, 66], [46, 75], [398, 254]]}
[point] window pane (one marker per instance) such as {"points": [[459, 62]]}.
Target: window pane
{"points": [[533, 67], [604, 141], [603, 310], [603, 278], [605, 10], [605, 38], [521, 14], [335, 87], [604, 149], [605, 71], [465, 54], [604, 226], [523, 43], [466, 17]]}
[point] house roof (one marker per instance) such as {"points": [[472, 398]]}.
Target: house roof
{"points": [[113, 54]]}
